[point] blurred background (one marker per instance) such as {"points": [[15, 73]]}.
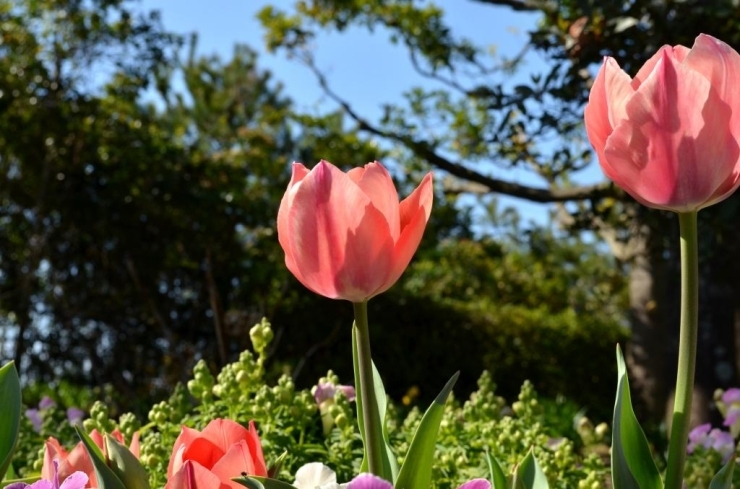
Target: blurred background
{"points": [[145, 147]]}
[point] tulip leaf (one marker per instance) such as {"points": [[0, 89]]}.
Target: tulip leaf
{"points": [[416, 471], [10, 414], [275, 467], [107, 479], [723, 479], [390, 465], [529, 475], [248, 482], [255, 482], [498, 479], [632, 461], [125, 465]]}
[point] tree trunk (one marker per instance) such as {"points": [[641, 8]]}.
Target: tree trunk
{"points": [[646, 352], [654, 288]]}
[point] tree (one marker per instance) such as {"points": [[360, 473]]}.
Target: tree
{"points": [[137, 221], [475, 124], [128, 229]]}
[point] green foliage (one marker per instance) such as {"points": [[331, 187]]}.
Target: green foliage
{"points": [[107, 477], [632, 461], [723, 479], [138, 213], [289, 422], [416, 470], [524, 311], [10, 415]]}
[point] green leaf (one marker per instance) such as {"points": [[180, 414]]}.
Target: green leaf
{"points": [[125, 465], [723, 479], [632, 461], [10, 414], [274, 469], [416, 471], [529, 475], [498, 479], [107, 479], [390, 466], [255, 482], [248, 482]]}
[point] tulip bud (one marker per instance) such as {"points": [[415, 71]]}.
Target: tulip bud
{"points": [[670, 136], [346, 235]]}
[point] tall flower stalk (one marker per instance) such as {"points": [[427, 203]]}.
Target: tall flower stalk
{"points": [[366, 388], [347, 236], [670, 137], [686, 349]]}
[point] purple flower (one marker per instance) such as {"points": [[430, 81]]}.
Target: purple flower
{"points": [[77, 480], [75, 415], [733, 414], [369, 481], [731, 395], [46, 402], [714, 439], [35, 416], [476, 484], [326, 390]]}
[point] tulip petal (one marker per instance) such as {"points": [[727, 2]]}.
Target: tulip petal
{"points": [[255, 448], [421, 198], [415, 212], [78, 460], [135, 446], [53, 450], [224, 432], [607, 103], [674, 149], [677, 53], [377, 184], [192, 475], [203, 451], [236, 460], [720, 64], [299, 173], [335, 232], [184, 439]]}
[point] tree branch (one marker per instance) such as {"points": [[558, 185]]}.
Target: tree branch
{"points": [[424, 150], [517, 5]]}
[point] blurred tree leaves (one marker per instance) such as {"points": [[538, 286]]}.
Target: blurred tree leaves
{"points": [[140, 183], [467, 116]]}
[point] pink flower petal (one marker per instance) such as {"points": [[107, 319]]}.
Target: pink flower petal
{"points": [[336, 234], [674, 150]]}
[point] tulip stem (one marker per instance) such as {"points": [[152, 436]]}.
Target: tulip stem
{"points": [[686, 350], [370, 413]]}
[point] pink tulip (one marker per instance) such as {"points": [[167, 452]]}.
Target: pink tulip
{"points": [[209, 459], [345, 235], [60, 463], [669, 136]]}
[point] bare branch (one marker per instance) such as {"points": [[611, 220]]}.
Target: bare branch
{"points": [[216, 307], [424, 150], [518, 5]]}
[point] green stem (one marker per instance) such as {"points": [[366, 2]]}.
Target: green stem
{"points": [[370, 414], [686, 350]]}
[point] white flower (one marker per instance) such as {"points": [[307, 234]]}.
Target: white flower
{"points": [[316, 476]]}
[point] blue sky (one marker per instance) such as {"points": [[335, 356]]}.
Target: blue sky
{"points": [[364, 68]]}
